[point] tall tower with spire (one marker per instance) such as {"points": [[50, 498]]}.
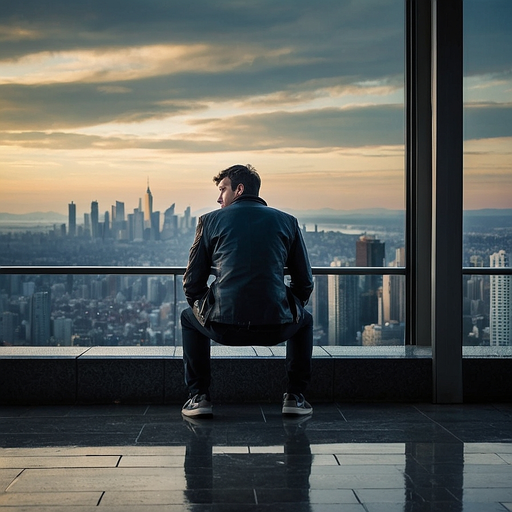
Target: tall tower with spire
{"points": [[148, 207]]}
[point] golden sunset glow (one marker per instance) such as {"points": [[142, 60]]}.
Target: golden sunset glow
{"points": [[93, 103]]}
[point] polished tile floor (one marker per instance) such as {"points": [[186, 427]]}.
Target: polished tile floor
{"points": [[347, 457]]}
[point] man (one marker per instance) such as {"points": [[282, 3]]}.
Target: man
{"points": [[247, 245]]}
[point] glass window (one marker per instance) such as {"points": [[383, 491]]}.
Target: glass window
{"points": [[487, 164], [118, 120]]}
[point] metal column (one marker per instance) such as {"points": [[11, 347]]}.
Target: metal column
{"points": [[419, 170], [447, 204]]}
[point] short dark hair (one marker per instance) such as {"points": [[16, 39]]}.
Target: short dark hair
{"points": [[244, 174]]}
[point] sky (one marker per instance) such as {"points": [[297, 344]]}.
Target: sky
{"points": [[98, 97]]}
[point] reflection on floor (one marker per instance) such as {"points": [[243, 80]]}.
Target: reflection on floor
{"points": [[349, 457]]}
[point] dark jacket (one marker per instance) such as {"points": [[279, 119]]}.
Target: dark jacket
{"points": [[249, 245]]}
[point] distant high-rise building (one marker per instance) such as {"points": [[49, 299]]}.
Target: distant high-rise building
{"points": [[63, 330], [87, 224], [10, 327], [391, 333], [28, 288], [95, 220], [40, 320], [370, 252], [119, 226], [170, 227], [148, 207], [15, 284], [120, 212], [500, 320], [154, 293], [343, 304], [136, 225], [106, 224], [319, 303], [72, 219], [155, 226], [476, 261], [393, 292]]}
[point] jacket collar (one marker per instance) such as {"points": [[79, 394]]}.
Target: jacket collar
{"points": [[249, 197]]}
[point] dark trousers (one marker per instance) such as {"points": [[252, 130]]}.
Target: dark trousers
{"points": [[196, 348]]}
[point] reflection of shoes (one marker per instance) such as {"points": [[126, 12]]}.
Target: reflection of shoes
{"points": [[296, 404], [295, 425], [199, 426], [198, 405], [296, 421]]}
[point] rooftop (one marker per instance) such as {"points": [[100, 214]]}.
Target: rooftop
{"points": [[348, 456]]}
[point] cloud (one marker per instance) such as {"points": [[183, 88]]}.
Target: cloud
{"points": [[58, 62], [487, 41], [134, 63], [323, 128], [309, 130], [327, 129], [487, 120]]}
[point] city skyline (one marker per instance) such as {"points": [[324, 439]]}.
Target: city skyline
{"points": [[98, 96]]}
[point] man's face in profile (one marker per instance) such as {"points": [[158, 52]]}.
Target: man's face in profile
{"points": [[227, 194]]}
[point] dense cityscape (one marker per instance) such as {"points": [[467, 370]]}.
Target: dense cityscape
{"points": [[128, 310]]}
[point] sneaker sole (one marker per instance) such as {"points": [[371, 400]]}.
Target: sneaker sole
{"points": [[201, 411], [297, 411]]}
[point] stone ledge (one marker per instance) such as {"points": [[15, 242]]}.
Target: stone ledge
{"points": [[217, 351], [153, 375]]}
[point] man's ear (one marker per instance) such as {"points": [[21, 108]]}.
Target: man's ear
{"points": [[239, 189]]}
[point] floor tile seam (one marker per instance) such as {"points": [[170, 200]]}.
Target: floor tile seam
{"points": [[50, 467], [14, 480], [439, 424], [362, 490], [506, 461]]}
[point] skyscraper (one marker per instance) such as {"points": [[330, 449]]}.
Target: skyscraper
{"points": [[40, 322], [155, 226], [119, 212], [72, 219], [95, 220], [87, 224], [500, 320], [148, 207], [170, 227], [393, 292], [370, 252], [343, 304], [136, 224], [119, 229], [106, 224], [63, 330], [10, 327]]}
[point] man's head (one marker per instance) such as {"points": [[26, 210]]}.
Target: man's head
{"points": [[235, 181]]}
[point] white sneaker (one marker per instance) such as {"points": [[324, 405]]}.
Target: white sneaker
{"points": [[296, 404], [198, 405]]}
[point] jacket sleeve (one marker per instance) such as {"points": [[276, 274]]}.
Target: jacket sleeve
{"points": [[300, 269], [198, 269]]}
